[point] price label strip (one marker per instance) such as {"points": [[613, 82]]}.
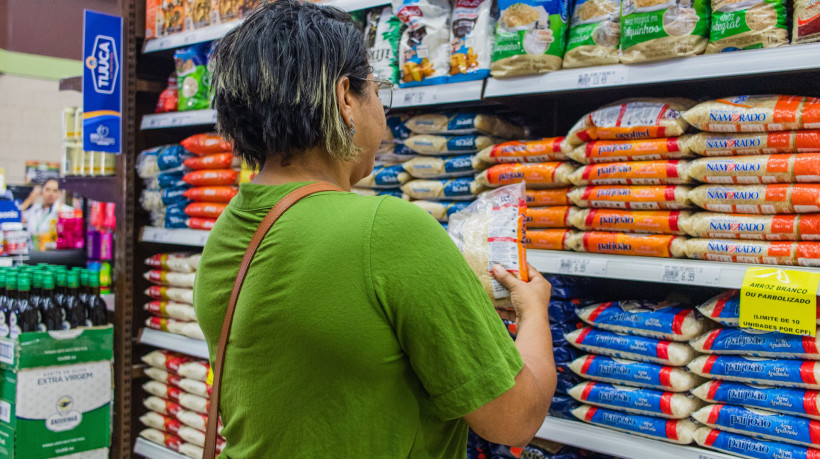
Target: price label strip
{"points": [[599, 78], [582, 267], [695, 275], [783, 300]]}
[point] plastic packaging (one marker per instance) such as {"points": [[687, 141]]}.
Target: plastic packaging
{"points": [[170, 278], [760, 423], [461, 123], [594, 35], [471, 40], [652, 31], [206, 144], [547, 239], [205, 209], [382, 37], [193, 80], [786, 227], [548, 197], [548, 217], [643, 318], [424, 51], [744, 446], [212, 177], [459, 189], [211, 193], [434, 168], [214, 161], [757, 113], [611, 151], [184, 262], [172, 158], [201, 223], [527, 151], [631, 347], [530, 37], [537, 175], [798, 402], [385, 177], [171, 310], [630, 221], [758, 199], [760, 252], [648, 402], [732, 341], [804, 167], [662, 172], [629, 119], [632, 197], [680, 431], [438, 145], [189, 329], [644, 245], [755, 143], [442, 210], [180, 295], [770, 372]]}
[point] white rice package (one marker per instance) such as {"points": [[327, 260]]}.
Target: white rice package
{"points": [[442, 210], [670, 322], [680, 431], [424, 49], [797, 402], [778, 198], [797, 168], [632, 373], [649, 402], [170, 278], [443, 167], [462, 123], [181, 262], [458, 189], [186, 400], [744, 446], [189, 329], [784, 227], [631, 347], [757, 343], [770, 372], [171, 310], [440, 145], [760, 424], [180, 295], [162, 406], [630, 119]]}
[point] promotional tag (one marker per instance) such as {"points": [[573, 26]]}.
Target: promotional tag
{"points": [[781, 300]]}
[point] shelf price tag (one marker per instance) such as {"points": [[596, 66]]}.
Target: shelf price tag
{"points": [[597, 78], [781, 300], [696, 275], [582, 267], [421, 96]]}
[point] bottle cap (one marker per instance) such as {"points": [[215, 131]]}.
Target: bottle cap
{"points": [[24, 282], [11, 281], [73, 279], [48, 281]]}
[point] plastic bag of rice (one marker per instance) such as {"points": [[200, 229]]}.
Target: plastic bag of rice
{"points": [[657, 29], [759, 113], [488, 232], [438, 145], [171, 310], [798, 402], [459, 189], [382, 37], [538, 175], [744, 446], [167, 360], [755, 143], [548, 217], [760, 423], [396, 130], [785, 227], [630, 119], [527, 151], [196, 420], [742, 251], [547, 239], [632, 373], [548, 197], [756, 343], [442, 210], [181, 262], [649, 402], [643, 318], [190, 386], [758, 199], [594, 35], [444, 167], [643, 245], [663, 172], [424, 51], [631, 347], [806, 26], [462, 124], [385, 176], [803, 167], [725, 309], [159, 437], [747, 25], [678, 431], [530, 37], [770, 372], [629, 221], [162, 406], [612, 151], [170, 278], [632, 197]]}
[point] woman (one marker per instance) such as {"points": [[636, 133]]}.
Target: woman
{"points": [[360, 331]]}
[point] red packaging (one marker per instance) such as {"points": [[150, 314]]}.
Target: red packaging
{"points": [[211, 193], [215, 161], [212, 177], [206, 144], [169, 98], [205, 209], [201, 223]]}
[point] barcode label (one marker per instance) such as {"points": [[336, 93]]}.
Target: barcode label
{"points": [[5, 411], [582, 267], [7, 352], [696, 275], [596, 78]]}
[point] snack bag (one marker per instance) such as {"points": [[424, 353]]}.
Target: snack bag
{"points": [[197, 14], [470, 40], [489, 232], [530, 37], [747, 25], [595, 33], [424, 51], [193, 78], [382, 38], [653, 30], [806, 28]]}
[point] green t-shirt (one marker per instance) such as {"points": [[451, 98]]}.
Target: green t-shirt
{"points": [[360, 330]]}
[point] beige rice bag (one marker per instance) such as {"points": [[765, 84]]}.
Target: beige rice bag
{"points": [[758, 199], [803, 167], [630, 119], [437, 145], [463, 123], [594, 34], [747, 25], [554, 174], [459, 189], [785, 227], [755, 143], [527, 151], [742, 251], [658, 29], [642, 245], [759, 113], [444, 167], [806, 26], [629, 221]]}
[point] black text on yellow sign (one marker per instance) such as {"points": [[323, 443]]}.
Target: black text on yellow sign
{"points": [[781, 300]]}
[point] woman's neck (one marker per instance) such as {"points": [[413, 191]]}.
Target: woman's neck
{"points": [[310, 166]]}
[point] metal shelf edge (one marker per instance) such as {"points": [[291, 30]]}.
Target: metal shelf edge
{"points": [[182, 236], [172, 342], [178, 119], [152, 450]]}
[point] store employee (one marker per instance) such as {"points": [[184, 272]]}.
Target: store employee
{"points": [[42, 206]]}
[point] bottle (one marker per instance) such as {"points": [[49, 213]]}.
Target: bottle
{"points": [[51, 312], [61, 296], [85, 295], [36, 287], [2, 287], [97, 311], [8, 303], [28, 317], [74, 307]]}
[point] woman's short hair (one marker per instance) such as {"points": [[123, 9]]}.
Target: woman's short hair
{"points": [[274, 81]]}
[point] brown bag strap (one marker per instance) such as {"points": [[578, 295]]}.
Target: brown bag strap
{"points": [[276, 211]]}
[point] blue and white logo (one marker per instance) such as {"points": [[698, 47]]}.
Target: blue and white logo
{"points": [[104, 64]]}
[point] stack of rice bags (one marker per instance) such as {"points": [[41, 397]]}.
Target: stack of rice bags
{"points": [[762, 168], [178, 400], [162, 169], [633, 180], [388, 174], [212, 176], [642, 345], [172, 294], [763, 392]]}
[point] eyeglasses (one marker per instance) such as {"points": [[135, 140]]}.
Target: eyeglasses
{"points": [[385, 91]]}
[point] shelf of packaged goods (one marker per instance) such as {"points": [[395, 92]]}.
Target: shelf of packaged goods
{"points": [[355, 5], [152, 450], [664, 270], [189, 37], [173, 342], [191, 237], [108, 299], [451, 93], [750, 62], [619, 444], [178, 119], [102, 188]]}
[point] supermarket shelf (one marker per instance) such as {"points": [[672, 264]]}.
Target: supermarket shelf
{"points": [[152, 450], [750, 62], [178, 119], [172, 342], [109, 301], [468, 91], [665, 270], [354, 5], [188, 38], [102, 188], [195, 238], [619, 444]]}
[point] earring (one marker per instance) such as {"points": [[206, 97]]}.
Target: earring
{"points": [[352, 127]]}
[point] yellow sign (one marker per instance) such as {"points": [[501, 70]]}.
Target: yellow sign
{"points": [[781, 300], [2, 179], [210, 379]]}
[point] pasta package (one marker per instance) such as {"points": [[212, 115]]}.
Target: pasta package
{"points": [[612, 151], [654, 29], [742, 251], [797, 402], [594, 35], [530, 37], [749, 25], [539, 175], [784, 227], [527, 151], [638, 348], [385, 177], [632, 197], [630, 221], [206, 144], [453, 166], [669, 405], [770, 372], [644, 245], [424, 49], [632, 119], [758, 199], [548, 217], [755, 143], [471, 40], [744, 446], [462, 124], [680, 431], [215, 177], [803, 167], [761, 113], [442, 211], [435, 145], [806, 26], [636, 374], [460, 189], [547, 239], [670, 322], [666, 172], [755, 343], [548, 197]]}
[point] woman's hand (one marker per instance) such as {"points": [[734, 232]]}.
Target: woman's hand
{"points": [[530, 299], [35, 194]]}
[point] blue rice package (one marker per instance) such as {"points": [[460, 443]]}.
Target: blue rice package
{"points": [[171, 179], [562, 406], [566, 379], [172, 157], [744, 446], [760, 424], [798, 402], [458, 189], [385, 177], [397, 131], [569, 287], [565, 354], [632, 373], [630, 347], [649, 402], [174, 195], [562, 310], [177, 209], [176, 221], [509, 452], [644, 318], [680, 431], [769, 372], [733, 341]]}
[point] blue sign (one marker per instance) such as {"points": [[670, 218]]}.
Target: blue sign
{"points": [[9, 211], [102, 82]]}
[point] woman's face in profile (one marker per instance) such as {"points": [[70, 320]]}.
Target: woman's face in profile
{"points": [[370, 125]]}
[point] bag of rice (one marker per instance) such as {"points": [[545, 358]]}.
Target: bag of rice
{"points": [[382, 35], [385, 177], [488, 232], [631, 119], [548, 217], [394, 153], [562, 311], [656, 29], [212, 177], [462, 124], [189, 329], [206, 144], [798, 402], [162, 406], [744, 446], [756, 343], [758, 199], [397, 131], [442, 210], [747, 25], [215, 161], [742, 251], [804, 167], [424, 51], [561, 406], [612, 151], [171, 310], [460, 189], [786, 227], [171, 278], [526, 151], [644, 318], [180, 295], [594, 35], [629, 221], [549, 239], [471, 40], [443, 167], [222, 194], [678, 431], [158, 421], [537, 175], [649, 402], [806, 26], [196, 420], [643, 245], [183, 262], [758, 113], [632, 373], [190, 386], [530, 37], [755, 143], [632, 197], [631, 347], [665, 172], [787, 373], [549, 197], [760, 423], [565, 354], [167, 440], [437, 145]]}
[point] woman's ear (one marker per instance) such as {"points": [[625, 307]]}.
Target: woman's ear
{"points": [[344, 99]]}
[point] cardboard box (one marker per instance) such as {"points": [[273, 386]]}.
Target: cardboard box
{"points": [[153, 18], [173, 16], [197, 14]]}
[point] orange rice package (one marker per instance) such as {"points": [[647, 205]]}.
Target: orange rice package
{"points": [[548, 217], [549, 197], [526, 151], [758, 199], [630, 119], [756, 113], [667, 197], [612, 151], [666, 172], [630, 221], [739, 251], [211, 193], [215, 161], [800, 168], [538, 175], [201, 223], [755, 143], [205, 209], [206, 144], [548, 239], [645, 245], [212, 177], [783, 227]]}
